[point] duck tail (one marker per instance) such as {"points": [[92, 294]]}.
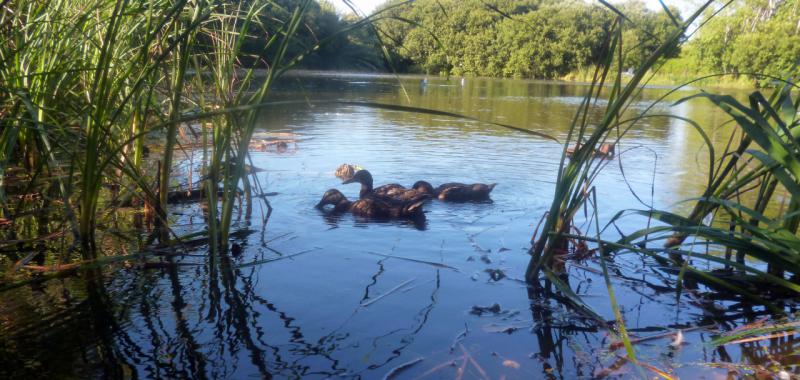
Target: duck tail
{"points": [[491, 187], [416, 207]]}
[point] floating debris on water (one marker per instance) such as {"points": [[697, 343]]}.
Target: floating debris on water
{"points": [[678, 340], [496, 274], [481, 310]]}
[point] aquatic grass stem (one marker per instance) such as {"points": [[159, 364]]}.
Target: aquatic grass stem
{"points": [[612, 298], [230, 185], [180, 65]]}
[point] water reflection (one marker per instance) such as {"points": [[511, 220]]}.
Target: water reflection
{"points": [[333, 219]]}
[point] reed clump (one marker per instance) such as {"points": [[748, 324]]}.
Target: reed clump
{"points": [[576, 174], [746, 221], [84, 85], [743, 227]]}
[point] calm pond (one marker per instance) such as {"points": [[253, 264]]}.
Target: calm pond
{"points": [[320, 296]]}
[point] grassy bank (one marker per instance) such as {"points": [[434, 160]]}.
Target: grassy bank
{"points": [[677, 72]]}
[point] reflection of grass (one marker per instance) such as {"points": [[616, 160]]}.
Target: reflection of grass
{"points": [[680, 70], [726, 82]]}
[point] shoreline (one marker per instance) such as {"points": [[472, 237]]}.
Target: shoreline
{"points": [[656, 84]]}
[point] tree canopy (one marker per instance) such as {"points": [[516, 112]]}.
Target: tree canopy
{"points": [[528, 38], [329, 37], [545, 38], [753, 36]]}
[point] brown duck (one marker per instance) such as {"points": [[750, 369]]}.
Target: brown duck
{"points": [[392, 190], [455, 192], [371, 206]]}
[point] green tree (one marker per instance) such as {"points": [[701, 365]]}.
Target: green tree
{"points": [[531, 38], [752, 36]]}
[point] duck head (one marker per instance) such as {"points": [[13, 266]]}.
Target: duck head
{"points": [[423, 187], [333, 197], [362, 176]]}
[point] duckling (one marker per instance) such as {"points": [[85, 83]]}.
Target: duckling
{"points": [[337, 199], [456, 192], [364, 177], [247, 168], [407, 194], [372, 207]]}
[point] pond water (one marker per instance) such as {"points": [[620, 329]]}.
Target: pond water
{"points": [[318, 296]]}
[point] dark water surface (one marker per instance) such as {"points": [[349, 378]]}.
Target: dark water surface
{"points": [[322, 296]]}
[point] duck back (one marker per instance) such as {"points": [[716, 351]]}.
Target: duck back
{"points": [[389, 190], [375, 206], [459, 192]]}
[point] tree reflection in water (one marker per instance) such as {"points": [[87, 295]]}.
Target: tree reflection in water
{"points": [[171, 338]]}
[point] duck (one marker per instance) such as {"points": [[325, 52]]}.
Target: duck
{"points": [[372, 207], [606, 150], [392, 190], [455, 192]]}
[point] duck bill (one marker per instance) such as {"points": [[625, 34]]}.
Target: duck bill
{"points": [[349, 180]]}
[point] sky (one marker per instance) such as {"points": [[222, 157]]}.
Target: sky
{"points": [[367, 6]]}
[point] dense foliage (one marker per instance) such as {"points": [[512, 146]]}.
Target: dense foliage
{"points": [[753, 36], [336, 43], [531, 38], [544, 38], [551, 39]]}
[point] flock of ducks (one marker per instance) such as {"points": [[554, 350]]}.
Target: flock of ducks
{"points": [[605, 151], [394, 200]]}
